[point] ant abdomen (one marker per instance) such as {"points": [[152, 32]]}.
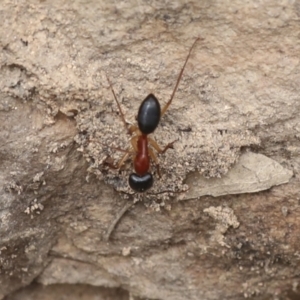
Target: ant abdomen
{"points": [[140, 183]]}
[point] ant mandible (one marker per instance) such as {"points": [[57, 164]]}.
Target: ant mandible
{"points": [[148, 118]]}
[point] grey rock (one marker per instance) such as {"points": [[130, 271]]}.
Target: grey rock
{"points": [[252, 173]]}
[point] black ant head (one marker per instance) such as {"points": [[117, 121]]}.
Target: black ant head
{"points": [[149, 114]]}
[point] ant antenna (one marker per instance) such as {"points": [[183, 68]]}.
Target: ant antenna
{"points": [[179, 77], [118, 103]]}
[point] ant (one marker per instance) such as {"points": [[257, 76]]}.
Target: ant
{"points": [[148, 118]]}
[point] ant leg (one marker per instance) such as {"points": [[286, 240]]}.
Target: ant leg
{"points": [[122, 150], [154, 158], [179, 77], [133, 128], [125, 156], [154, 144], [133, 142], [118, 104], [123, 159], [121, 162]]}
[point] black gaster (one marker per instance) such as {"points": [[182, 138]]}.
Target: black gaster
{"points": [[149, 114], [140, 183]]}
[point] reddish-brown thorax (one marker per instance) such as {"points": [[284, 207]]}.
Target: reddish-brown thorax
{"points": [[142, 159]]}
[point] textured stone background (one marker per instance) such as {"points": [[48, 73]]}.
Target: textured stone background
{"points": [[239, 93]]}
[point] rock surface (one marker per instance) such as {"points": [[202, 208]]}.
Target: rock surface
{"points": [[252, 173], [59, 122]]}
